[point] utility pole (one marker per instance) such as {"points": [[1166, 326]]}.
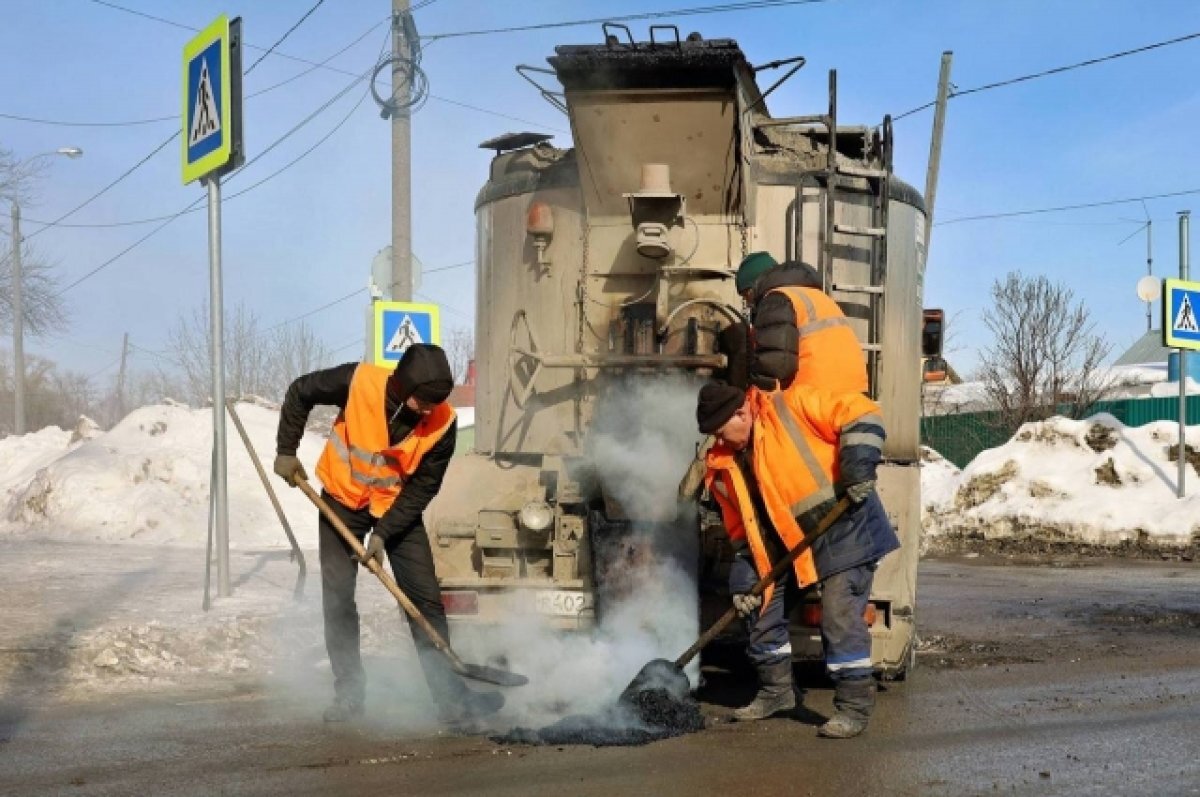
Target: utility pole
{"points": [[935, 143], [1149, 268], [18, 305], [121, 380], [1184, 268], [401, 155]]}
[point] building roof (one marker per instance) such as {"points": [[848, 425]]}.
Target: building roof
{"points": [[1148, 349]]}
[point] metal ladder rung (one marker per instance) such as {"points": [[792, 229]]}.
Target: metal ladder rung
{"points": [[875, 347], [861, 171], [873, 289], [869, 232]]}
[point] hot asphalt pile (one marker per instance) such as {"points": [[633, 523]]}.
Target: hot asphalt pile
{"points": [[640, 718]]}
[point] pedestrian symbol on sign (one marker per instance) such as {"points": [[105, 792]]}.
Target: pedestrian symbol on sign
{"points": [[406, 335], [206, 120], [1185, 319]]}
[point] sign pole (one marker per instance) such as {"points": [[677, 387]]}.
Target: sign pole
{"points": [[1183, 361], [217, 348]]}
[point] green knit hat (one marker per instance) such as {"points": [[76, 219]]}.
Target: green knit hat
{"points": [[753, 266]]}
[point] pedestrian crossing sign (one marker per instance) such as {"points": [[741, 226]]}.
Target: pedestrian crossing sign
{"points": [[399, 325], [212, 99], [1181, 303]]}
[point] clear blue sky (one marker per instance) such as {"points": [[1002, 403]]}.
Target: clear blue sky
{"points": [[306, 237]]}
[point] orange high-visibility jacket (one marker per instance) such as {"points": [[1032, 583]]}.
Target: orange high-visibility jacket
{"points": [[359, 467], [795, 443], [830, 355]]}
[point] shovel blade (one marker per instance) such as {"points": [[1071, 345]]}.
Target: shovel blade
{"points": [[491, 675], [658, 674]]}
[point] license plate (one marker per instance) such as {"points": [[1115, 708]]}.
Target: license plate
{"points": [[563, 604]]}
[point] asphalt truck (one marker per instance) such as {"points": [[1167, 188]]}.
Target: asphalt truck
{"points": [[616, 255]]}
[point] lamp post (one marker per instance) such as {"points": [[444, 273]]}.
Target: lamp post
{"points": [[18, 305]]}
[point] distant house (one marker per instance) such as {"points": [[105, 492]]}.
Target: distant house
{"points": [[462, 398]]}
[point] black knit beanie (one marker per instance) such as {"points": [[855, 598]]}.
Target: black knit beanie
{"points": [[423, 373], [716, 405]]}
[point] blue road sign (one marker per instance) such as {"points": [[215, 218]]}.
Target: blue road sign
{"points": [[212, 100], [398, 325], [1181, 303]]}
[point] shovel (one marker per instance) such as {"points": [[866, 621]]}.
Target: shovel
{"points": [[666, 674], [476, 672]]}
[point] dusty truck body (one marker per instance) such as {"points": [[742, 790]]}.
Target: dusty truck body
{"points": [[617, 256]]}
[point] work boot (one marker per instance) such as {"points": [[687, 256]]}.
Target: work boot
{"points": [[852, 702], [775, 693], [343, 710]]}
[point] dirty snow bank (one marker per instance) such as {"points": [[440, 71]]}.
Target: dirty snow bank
{"points": [[146, 480], [1094, 481]]}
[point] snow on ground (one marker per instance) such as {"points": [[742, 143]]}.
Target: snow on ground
{"points": [[147, 480], [1095, 481]]}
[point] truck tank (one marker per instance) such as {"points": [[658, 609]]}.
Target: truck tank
{"points": [[614, 259]]}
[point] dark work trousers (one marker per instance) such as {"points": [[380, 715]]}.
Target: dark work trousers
{"points": [[844, 631], [412, 566]]}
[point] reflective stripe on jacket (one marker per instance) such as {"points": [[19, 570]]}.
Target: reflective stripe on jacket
{"points": [[795, 457], [359, 467], [830, 356]]}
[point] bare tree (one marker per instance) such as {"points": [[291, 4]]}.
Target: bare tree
{"points": [[42, 306], [245, 352], [460, 350], [294, 350], [1045, 354]]}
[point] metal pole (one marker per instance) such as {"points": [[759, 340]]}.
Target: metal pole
{"points": [[1183, 354], [401, 159], [121, 380], [935, 143], [217, 348], [1149, 269], [18, 305]]}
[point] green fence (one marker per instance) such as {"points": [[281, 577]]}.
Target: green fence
{"points": [[959, 438]]}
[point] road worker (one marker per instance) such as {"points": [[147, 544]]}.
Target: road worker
{"points": [[384, 462], [780, 462]]}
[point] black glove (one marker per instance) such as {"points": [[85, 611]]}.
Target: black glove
{"points": [[860, 491], [374, 551], [288, 468]]}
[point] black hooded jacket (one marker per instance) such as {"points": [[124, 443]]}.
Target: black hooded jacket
{"points": [[776, 336], [332, 386]]}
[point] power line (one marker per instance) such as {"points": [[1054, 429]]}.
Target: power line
{"points": [[1061, 208], [287, 33], [168, 219], [1055, 71], [720, 8], [449, 101], [175, 118]]}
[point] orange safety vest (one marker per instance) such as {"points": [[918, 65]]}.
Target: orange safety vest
{"points": [[794, 457], [831, 357], [359, 467]]}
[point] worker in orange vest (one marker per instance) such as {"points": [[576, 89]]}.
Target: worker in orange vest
{"points": [[384, 462], [799, 333], [780, 462]]}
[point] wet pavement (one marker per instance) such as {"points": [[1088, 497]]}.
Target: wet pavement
{"points": [[1080, 676]]}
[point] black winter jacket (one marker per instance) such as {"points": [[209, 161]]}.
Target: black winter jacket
{"points": [[332, 386], [776, 336]]}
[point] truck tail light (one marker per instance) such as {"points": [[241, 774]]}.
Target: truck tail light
{"points": [[461, 602]]}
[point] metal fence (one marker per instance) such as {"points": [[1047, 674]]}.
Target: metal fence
{"points": [[959, 438]]}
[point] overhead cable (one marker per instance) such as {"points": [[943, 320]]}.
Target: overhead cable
{"points": [[1056, 70], [1060, 208]]}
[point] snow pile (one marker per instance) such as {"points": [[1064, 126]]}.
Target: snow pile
{"points": [[1094, 481], [147, 480], [939, 480]]}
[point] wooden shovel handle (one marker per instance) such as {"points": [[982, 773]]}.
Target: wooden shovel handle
{"points": [[761, 585], [409, 607]]}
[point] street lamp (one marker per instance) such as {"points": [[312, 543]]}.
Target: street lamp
{"points": [[18, 306]]}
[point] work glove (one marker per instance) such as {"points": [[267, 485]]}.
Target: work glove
{"points": [[374, 551], [860, 491], [746, 604], [288, 468]]}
